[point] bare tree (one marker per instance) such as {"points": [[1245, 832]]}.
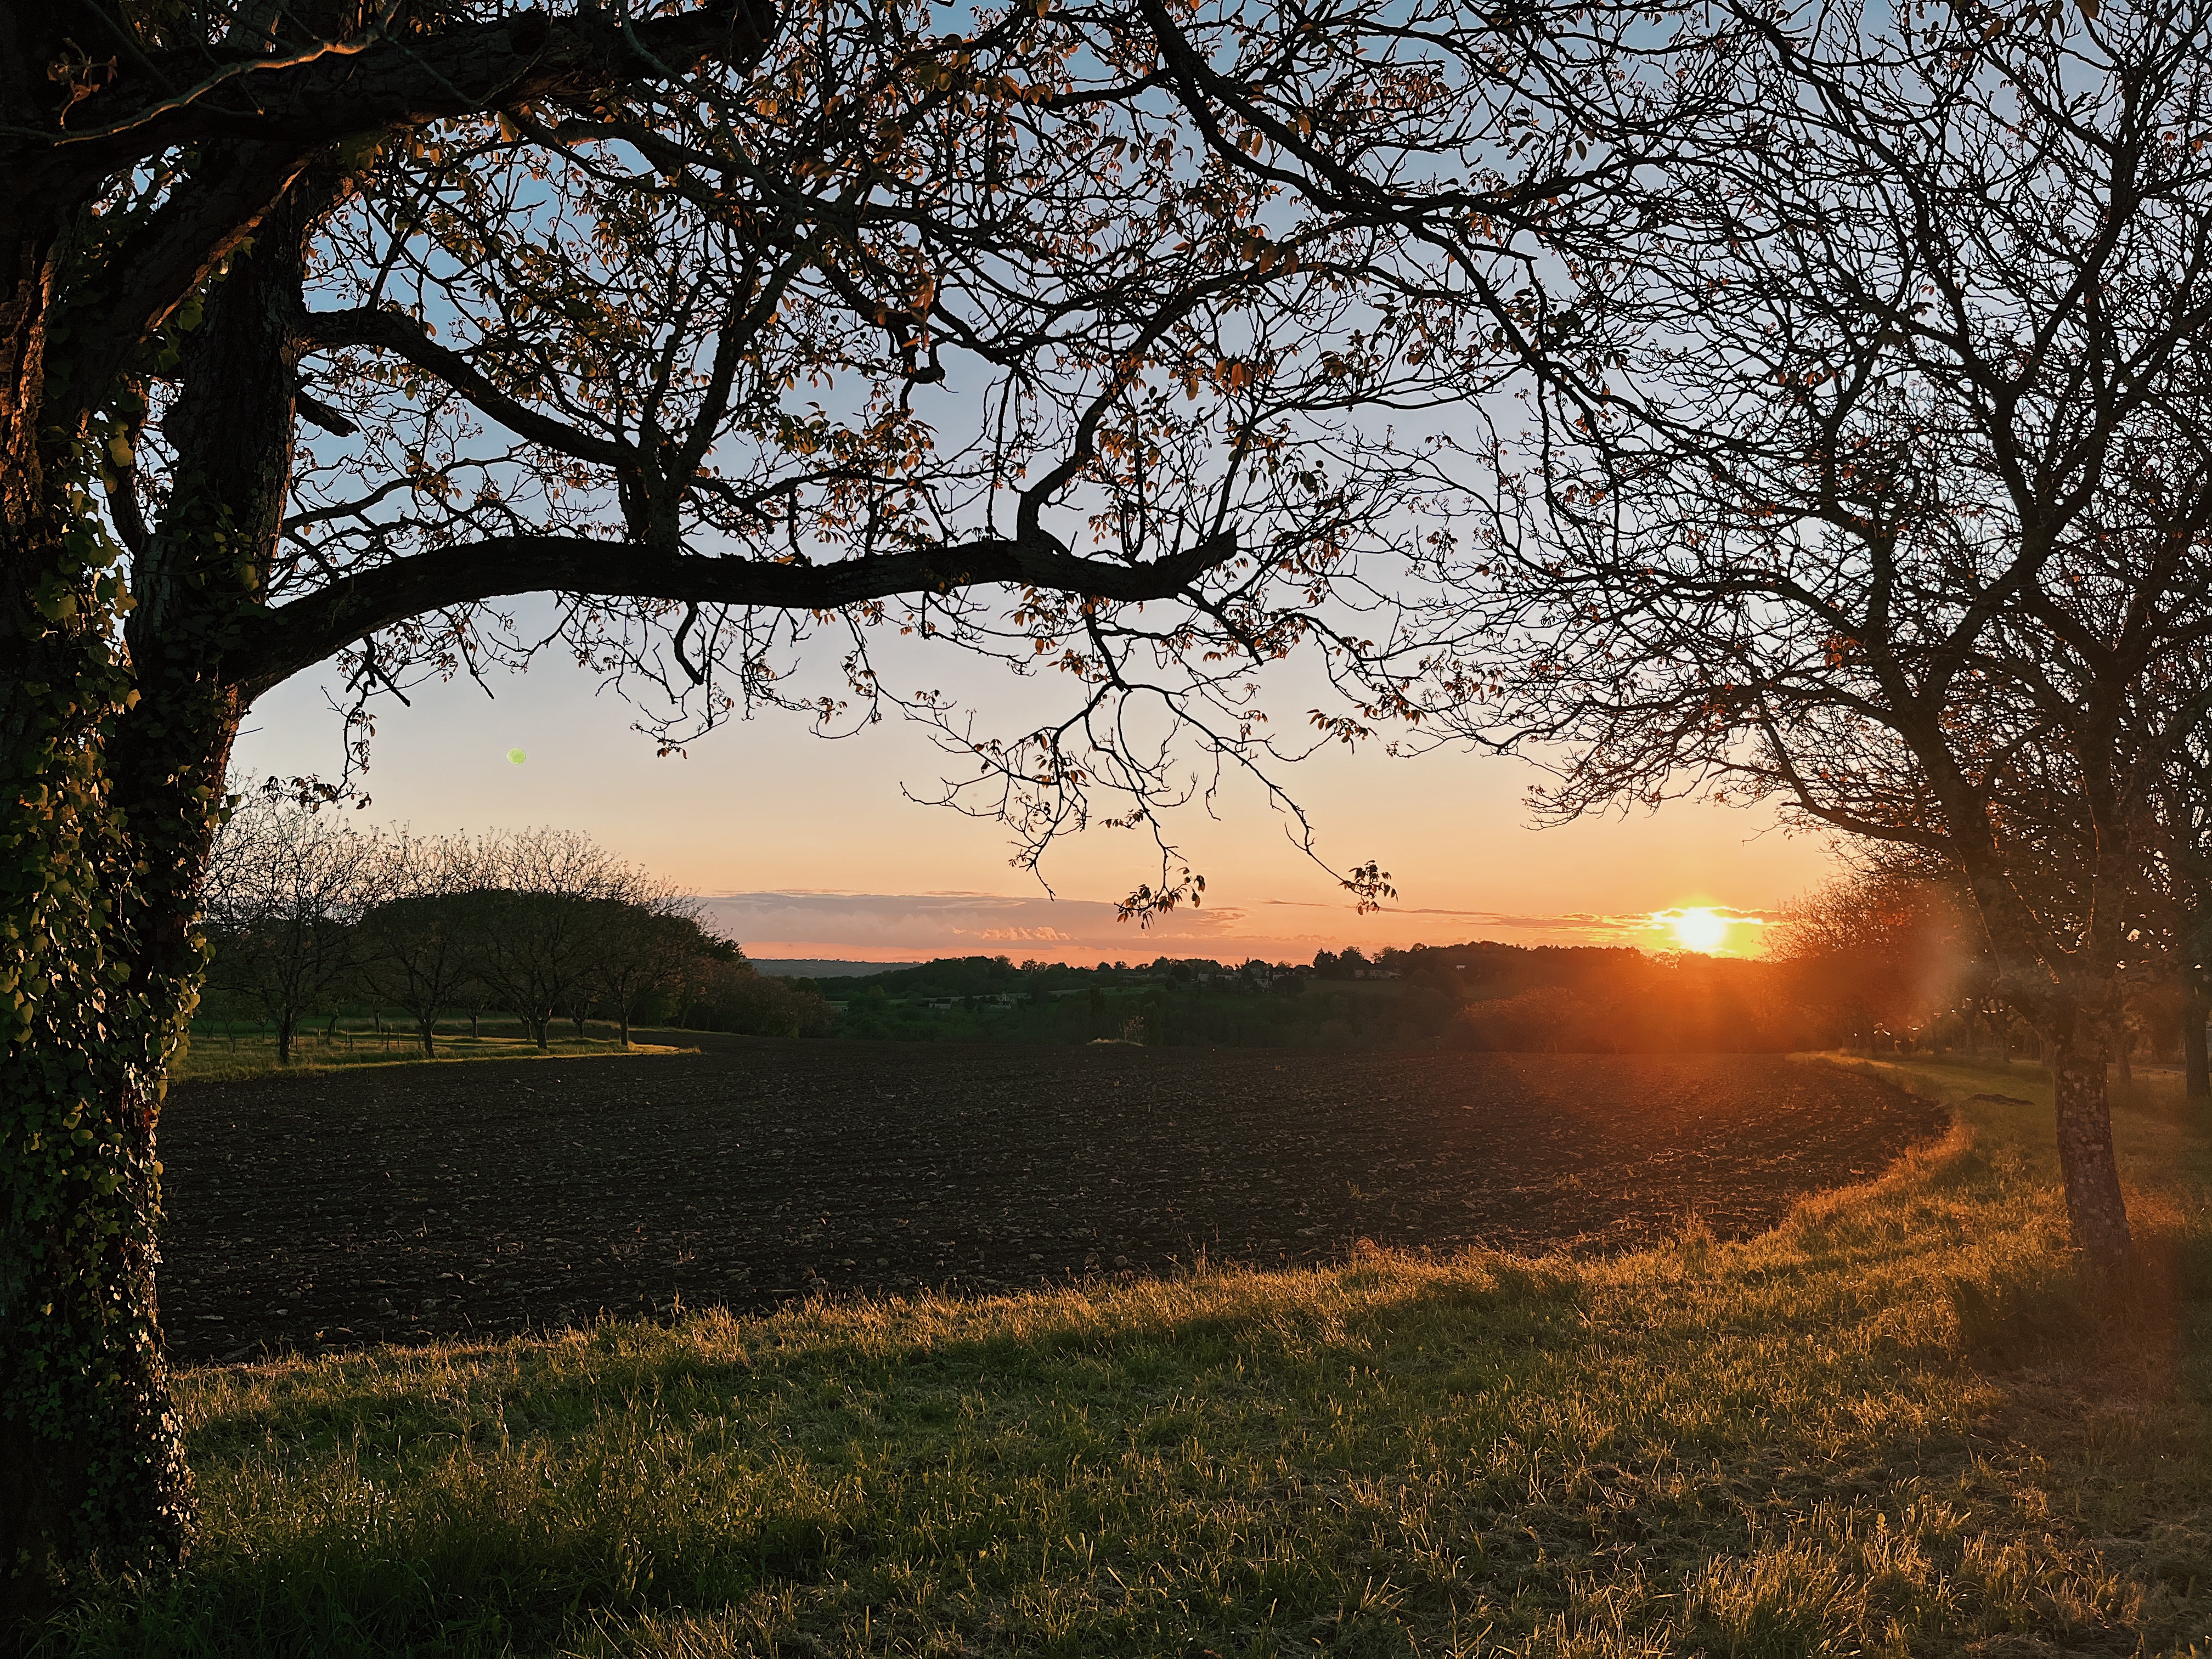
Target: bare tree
{"points": [[285, 889], [645, 946], [535, 919], [2181, 876], [415, 949], [1873, 477]]}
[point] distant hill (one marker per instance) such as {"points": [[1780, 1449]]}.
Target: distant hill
{"points": [[809, 967]]}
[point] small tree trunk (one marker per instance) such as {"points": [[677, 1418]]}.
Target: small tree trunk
{"points": [[2197, 1071], [285, 1027], [2094, 1206], [625, 1025], [2123, 1042], [429, 1037], [539, 1029]]}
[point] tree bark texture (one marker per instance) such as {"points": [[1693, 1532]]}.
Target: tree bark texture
{"points": [[91, 1464], [99, 969], [2094, 1206], [2197, 1067]]}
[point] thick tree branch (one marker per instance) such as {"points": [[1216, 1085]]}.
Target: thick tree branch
{"points": [[394, 331], [159, 264], [263, 127], [310, 98], [299, 634]]}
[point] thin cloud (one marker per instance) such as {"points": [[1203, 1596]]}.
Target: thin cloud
{"points": [[908, 926]]}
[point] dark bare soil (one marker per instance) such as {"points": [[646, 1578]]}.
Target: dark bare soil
{"points": [[385, 1205]]}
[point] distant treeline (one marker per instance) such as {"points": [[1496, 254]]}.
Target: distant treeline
{"points": [[1877, 962], [304, 914], [1478, 995]]}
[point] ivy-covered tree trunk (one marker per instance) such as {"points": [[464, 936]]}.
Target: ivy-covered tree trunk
{"points": [[100, 980], [117, 724], [2078, 1011], [96, 980]]}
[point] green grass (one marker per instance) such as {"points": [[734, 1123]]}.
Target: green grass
{"points": [[219, 1057], [1894, 1425]]}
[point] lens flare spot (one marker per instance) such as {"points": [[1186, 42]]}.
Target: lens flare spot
{"points": [[517, 756]]}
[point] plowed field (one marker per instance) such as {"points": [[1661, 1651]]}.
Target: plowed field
{"points": [[389, 1204]]}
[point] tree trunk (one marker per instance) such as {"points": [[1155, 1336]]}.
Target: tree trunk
{"points": [[92, 1465], [95, 988], [111, 774], [104, 963], [625, 1026], [429, 1030], [284, 1026], [2094, 1206], [2123, 1042], [2197, 1071]]}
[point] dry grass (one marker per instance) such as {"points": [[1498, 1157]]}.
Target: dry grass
{"points": [[221, 1058], [1897, 1425]]}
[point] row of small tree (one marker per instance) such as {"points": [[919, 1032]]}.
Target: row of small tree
{"points": [[1900, 956], [303, 911]]}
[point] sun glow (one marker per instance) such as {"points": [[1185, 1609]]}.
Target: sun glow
{"points": [[1701, 930]]}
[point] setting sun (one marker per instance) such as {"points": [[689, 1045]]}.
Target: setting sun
{"points": [[1701, 930]]}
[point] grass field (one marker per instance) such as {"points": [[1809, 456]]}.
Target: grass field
{"points": [[225, 1056], [1894, 1425]]}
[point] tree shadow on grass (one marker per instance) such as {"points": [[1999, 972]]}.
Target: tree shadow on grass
{"points": [[1231, 1462], [504, 1498], [2107, 1409]]}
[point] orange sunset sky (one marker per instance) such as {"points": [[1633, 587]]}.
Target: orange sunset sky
{"points": [[802, 848]]}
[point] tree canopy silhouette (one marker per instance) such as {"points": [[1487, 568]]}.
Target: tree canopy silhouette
{"points": [[1871, 477], [752, 334]]}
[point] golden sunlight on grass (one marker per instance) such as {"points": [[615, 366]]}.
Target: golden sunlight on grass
{"points": [[1896, 1424]]}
